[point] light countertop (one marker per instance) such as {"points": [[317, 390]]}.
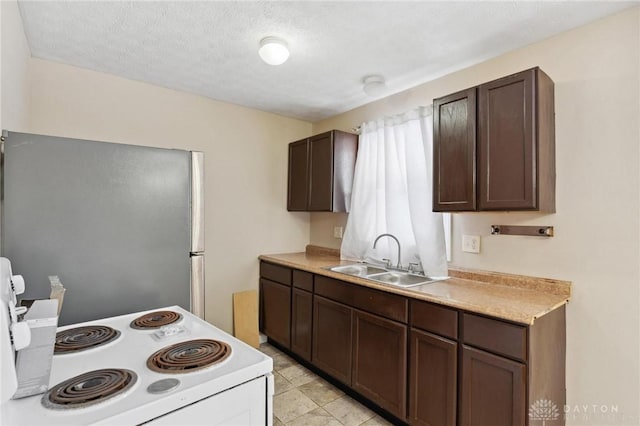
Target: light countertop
{"points": [[516, 298]]}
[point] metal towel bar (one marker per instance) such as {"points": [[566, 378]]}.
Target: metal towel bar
{"points": [[530, 231]]}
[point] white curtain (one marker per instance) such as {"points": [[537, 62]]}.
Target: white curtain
{"points": [[392, 193]]}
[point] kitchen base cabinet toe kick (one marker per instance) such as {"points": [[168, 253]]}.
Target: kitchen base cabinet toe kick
{"points": [[413, 361]]}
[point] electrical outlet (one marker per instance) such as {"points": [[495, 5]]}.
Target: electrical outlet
{"points": [[337, 232], [471, 243]]}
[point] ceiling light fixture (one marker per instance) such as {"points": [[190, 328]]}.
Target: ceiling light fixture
{"points": [[374, 85], [273, 50]]}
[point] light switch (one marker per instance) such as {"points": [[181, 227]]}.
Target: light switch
{"points": [[471, 243]]}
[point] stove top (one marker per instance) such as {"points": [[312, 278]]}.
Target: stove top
{"points": [[83, 338], [152, 394]]}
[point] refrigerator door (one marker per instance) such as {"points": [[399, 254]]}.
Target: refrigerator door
{"points": [[111, 220]]}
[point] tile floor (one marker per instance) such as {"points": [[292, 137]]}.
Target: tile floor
{"points": [[302, 398]]}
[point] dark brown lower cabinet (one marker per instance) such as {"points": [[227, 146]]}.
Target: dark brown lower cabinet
{"points": [[380, 361], [275, 312], [332, 341], [433, 375], [301, 319], [493, 390], [423, 363]]}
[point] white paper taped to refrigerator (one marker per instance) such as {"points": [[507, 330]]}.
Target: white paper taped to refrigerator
{"points": [[57, 291]]}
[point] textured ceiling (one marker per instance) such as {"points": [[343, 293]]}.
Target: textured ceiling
{"points": [[210, 48]]}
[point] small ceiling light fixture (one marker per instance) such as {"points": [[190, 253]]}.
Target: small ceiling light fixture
{"points": [[273, 50], [374, 85]]}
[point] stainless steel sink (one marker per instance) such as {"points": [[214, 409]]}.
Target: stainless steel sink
{"points": [[359, 269], [381, 275], [402, 279]]}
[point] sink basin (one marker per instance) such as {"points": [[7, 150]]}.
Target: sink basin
{"points": [[401, 279], [381, 275], [359, 270]]}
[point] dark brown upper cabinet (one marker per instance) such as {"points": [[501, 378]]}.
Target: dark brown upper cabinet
{"points": [[298, 196], [454, 127], [321, 172], [494, 146]]}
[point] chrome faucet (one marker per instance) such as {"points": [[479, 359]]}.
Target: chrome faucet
{"points": [[399, 266]]}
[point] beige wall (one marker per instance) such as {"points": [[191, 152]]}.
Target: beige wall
{"points": [[1, 59], [14, 70], [245, 162], [14, 79], [245, 152], [596, 74]]}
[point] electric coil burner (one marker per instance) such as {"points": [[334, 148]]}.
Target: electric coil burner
{"points": [[155, 320], [190, 355], [89, 388], [82, 338]]}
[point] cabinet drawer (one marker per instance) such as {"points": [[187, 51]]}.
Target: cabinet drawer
{"points": [[277, 273], [434, 318], [303, 280], [378, 302], [495, 336]]}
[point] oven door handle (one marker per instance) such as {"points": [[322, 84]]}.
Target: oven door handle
{"points": [[270, 393]]}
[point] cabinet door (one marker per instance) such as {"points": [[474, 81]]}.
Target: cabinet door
{"points": [[454, 152], [332, 338], [321, 172], [507, 149], [380, 361], [493, 390], [433, 375], [301, 317], [298, 196], [275, 311]]}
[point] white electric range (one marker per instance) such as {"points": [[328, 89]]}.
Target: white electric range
{"points": [[180, 371]]}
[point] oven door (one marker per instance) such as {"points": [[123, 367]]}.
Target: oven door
{"points": [[246, 405]]}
